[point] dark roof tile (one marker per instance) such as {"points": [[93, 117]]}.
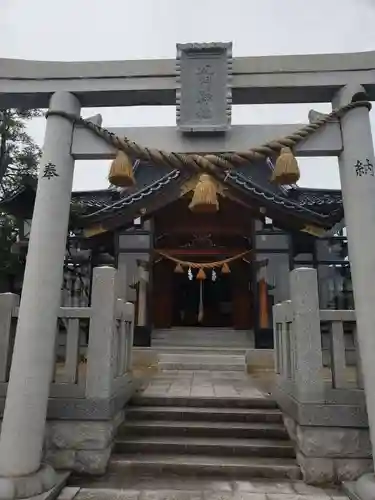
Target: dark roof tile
{"points": [[321, 205]]}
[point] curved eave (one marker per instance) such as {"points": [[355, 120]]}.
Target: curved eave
{"points": [[167, 190], [295, 207], [145, 201], [287, 206]]}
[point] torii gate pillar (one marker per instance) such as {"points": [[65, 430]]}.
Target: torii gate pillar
{"points": [[357, 173], [22, 435]]}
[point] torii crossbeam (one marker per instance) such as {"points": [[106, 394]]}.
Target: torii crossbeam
{"points": [[203, 110]]}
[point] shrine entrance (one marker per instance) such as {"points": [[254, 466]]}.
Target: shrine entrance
{"points": [[202, 270], [205, 303]]}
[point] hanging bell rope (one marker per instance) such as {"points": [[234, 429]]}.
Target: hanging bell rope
{"points": [[286, 168], [121, 171], [203, 265], [205, 196]]}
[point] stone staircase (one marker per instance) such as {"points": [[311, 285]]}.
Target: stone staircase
{"points": [[201, 360], [200, 436], [217, 349], [202, 337]]}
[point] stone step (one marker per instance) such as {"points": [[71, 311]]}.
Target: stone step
{"points": [[235, 351], [199, 332], [201, 465], [167, 366], [202, 357], [222, 344], [205, 446], [228, 437], [212, 429], [202, 337], [203, 414], [202, 361], [229, 337], [204, 402]]}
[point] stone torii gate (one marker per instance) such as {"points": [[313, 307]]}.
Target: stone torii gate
{"points": [[208, 82]]}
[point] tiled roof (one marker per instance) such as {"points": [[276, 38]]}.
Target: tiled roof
{"points": [[322, 200], [320, 205], [127, 198], [90, 201]]}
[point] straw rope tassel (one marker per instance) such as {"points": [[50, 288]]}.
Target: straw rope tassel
{"points": [[179, 269], [201, 275], [205, 196], [225, 269], [286, 168], [121, 171]]}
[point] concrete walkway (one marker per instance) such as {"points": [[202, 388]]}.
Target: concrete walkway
{"points": [[203, 489], [186, 383]]}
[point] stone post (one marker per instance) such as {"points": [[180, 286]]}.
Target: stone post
{"points": [[142, 294], [22, 433], [100, 355], [129, 315], [306, 335], [357, 174]]}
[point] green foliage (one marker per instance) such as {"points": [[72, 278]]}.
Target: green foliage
{"points": [[19, 158], [9, 261], [19, 155]]}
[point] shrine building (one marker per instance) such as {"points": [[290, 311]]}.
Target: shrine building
{"points": [[191, 272]]}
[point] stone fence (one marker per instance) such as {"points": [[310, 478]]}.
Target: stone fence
{"points": [[323, 403], [92, 377]]}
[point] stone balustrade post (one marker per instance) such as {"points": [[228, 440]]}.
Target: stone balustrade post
{"points": [[306, 334], [357, 174], [142, 294], [100, 355], [23, 428], [282, 334], [129, 312]]}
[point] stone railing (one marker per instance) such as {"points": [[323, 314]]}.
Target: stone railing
{"points": [[336, 370], [339, 332], [94, 344], [92, 375], [321, 397]]}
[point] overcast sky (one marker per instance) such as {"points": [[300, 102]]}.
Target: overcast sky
{"points": [[76, 30]]}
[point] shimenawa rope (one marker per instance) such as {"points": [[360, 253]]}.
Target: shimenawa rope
{"points": [[212, 163], [202, 265]]}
